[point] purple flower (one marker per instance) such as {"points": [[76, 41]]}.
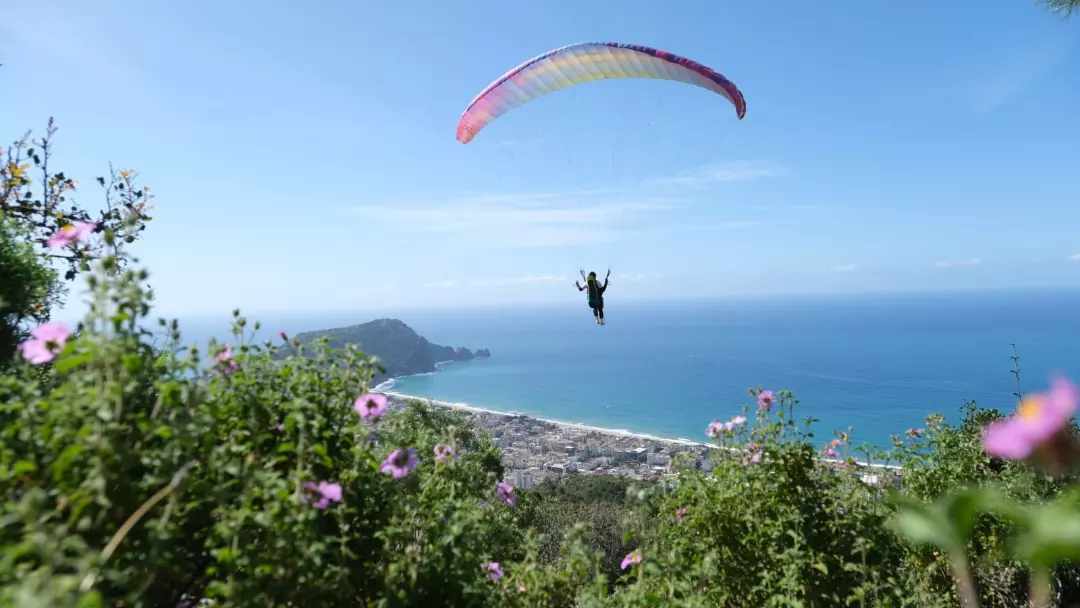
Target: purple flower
{"points": [[634, 557], [443, 452], [327, 492], [400, 463], [680, 513], [226, 362], [738, 421], [370, 405], [830, 452], [765, 401], [1038, 418], [506, 493], [493, 569], [71, 233], [45, 342]]}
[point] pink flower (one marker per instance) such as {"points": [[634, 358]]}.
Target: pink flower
{"points": [[443, 452], [716, 428], [71, 233], [634, 557], [493, 569], [505, 492], [45, 342], [226, 362], [400, 463], [370, 405], [830, 452], [680, 513], [765, 400], [753, 454], [835, 443], [328, 493], [1038, 418]]}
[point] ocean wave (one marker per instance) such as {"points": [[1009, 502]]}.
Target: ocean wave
{"points": [[385, 385]]}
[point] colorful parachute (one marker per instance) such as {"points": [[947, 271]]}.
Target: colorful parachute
{"points": [[578, 63]]}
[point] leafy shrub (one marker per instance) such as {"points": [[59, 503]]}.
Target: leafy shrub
{"points": [[29, 288], [33, 213], [144, 478], [605, 507]]}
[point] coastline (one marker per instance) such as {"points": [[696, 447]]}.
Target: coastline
{"points": [[536, 448], [587, 428]]}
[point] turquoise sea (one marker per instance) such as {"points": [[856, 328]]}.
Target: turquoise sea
{"points": [[877, 364]]}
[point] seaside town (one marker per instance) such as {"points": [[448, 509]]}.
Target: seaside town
{"points": [[534, 450]]}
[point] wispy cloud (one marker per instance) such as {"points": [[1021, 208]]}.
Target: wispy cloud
{"points": [[503, 281], [637, 277], [1074, 257], [522, 220], [1016, 72], [846, 268], [732, 171], [958, 263], [562, 218], [529, 279]]}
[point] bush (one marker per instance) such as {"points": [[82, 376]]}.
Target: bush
{"points": [[605, 507], [32, 213], [144, 478], [29, 288]]}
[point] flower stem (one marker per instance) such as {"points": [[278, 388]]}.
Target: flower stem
{"points": [[1040, 587], [964, 585]]}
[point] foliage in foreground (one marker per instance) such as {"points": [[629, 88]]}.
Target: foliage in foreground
{"points": [[141, 478], [138, 476]]}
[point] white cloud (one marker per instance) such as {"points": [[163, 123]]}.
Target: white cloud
{"points": [[1074, 257], [445, 284], [958, 263], [846, 268], [733, 171]]}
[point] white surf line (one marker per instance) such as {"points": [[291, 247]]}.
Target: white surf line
{"points": [[607, 431]]}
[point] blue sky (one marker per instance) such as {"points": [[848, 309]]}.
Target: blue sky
{"points": [[303, 156]]}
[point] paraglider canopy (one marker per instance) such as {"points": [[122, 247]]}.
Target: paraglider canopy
{"points": [[585, 62]]}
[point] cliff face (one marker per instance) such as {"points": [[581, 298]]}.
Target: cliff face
{"points": [[399, 348]]}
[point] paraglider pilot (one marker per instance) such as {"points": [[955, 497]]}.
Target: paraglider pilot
{"points": [[596, 294]]}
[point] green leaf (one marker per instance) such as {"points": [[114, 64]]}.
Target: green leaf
{"points": [[66, 364], [923, 528], [1051, 534]]}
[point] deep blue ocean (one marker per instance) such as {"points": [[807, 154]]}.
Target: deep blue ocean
{"points": [[877, 364]]}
